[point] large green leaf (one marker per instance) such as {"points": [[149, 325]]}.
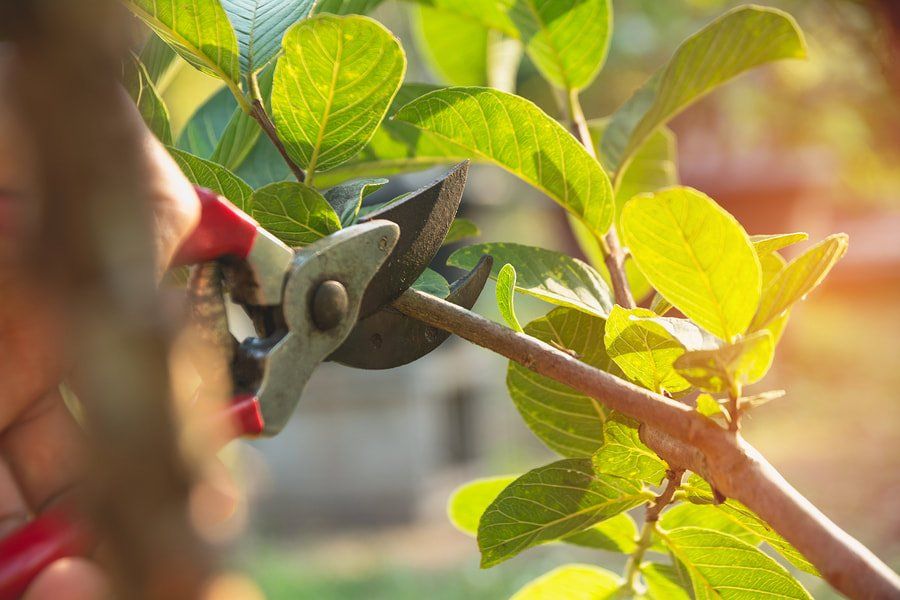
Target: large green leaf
{"points": [[294, 212], [645, 346], [260, 25], [506, 283], [722, 566], [397, 147], [158, 57], [549, 503], [203, 131], [696, 255], [346, 198], [454, 46], [469, 501], [333, 86], [735, 42], [513, 133], [663, 582], [215, 177], [566, 39], [699, 492], [730, 366], [152, 108], [199, 31], [687, 514], [623, 454], [493, 14], [551, 276], [801, 276], [346, 7], [569, 422], [572, 582]]}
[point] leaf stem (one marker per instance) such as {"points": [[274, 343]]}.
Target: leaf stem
{"points": [[633, 566], [734, 407], [258, 111], [612, 249]]}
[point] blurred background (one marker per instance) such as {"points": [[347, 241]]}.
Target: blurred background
{"points": [[350, 502]]}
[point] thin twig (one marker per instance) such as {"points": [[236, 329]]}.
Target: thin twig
{"points": [[694, 442], [258, 112], [612, 250]]}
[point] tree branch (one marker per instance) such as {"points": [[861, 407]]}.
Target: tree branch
{"points": [[692, 441]]}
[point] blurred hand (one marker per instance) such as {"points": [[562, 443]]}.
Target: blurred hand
{"points": [[41, 446]]}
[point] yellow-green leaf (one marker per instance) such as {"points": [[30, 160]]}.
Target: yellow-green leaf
{"points": [[768, 243], [710, 407], [346, 7], [294, 212], [549, 503], [513, 133], [572, 582], [551, 276], [199, 31], [623, 454], [333, 86], [801, 276], [738, 364], [454, 47], [506, 283], [739, 40], [696, 255], [151, 106], [567, 421]]}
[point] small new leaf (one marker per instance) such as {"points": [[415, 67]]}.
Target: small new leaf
{"points": [[432, 282], [710, 407], [801, 276], [294, 212], [333, 86], [730, 366], [766, 244], [696, 255], [549, 503], [346, 198], [748, 36], [515, 134], [623, 454], [573, 582], [506, 283], [551, 276]]}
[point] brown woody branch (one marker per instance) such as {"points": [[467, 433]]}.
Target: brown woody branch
{"points": [[687, 440]]}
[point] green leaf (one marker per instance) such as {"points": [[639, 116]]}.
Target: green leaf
{"points": [[572, 582], [722, 566], [645, 346], [549, 503], [158, 57], [203, 131], [699, 492], [265, 165], [199, 31], [567, 421], [663, 582], [294, 212], [733, 365], [333, 86], [454, 47], [710, 407], [346, 7], [432, 282], [346, 198], [697, 256], [513, 133], [766, 244], [801, 276], [708, 517], [551, 276], [152, 108], [493, 14], [469, 501], [398, 147], [735, 42], [506, 283], [623, 454], [260, 25], [566, 39], [215, 177], [461, 229]]}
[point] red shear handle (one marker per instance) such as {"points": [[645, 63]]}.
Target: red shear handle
{"points": [[31, 549], [224, 230], [55, 535]]}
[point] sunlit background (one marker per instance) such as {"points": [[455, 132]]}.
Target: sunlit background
{"points": [[350, 501]]}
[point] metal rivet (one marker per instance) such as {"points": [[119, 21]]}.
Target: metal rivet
{"points": [[383, 244], [329, 305]]}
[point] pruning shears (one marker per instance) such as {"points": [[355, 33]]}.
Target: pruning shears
{"points": [[330, 300]]}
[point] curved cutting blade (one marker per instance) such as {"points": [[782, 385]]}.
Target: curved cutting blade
{"points": [[390, 339], [424, 218]]}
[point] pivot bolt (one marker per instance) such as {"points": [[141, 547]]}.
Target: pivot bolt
{"points": [[330, 304]]}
